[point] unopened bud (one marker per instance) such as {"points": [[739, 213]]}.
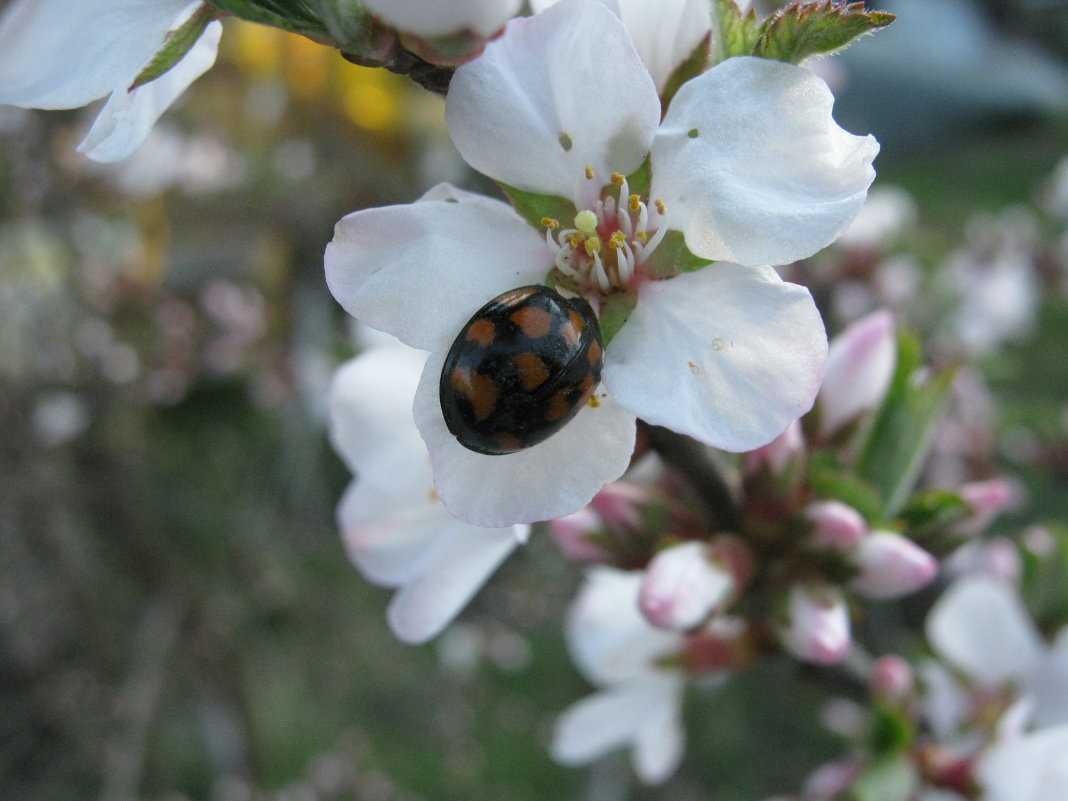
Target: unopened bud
{"points": [[891, 678], [779, 455], [835, 525], [682, 586], [890, 566], [818, 625], [860, 364], [574, 535]]}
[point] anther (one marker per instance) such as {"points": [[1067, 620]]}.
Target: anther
{"points": [[660, 206], [589, 173], [618, 179], [549, 222], [635, 203]]}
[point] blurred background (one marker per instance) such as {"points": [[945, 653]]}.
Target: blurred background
{"points": [[178, 619]]}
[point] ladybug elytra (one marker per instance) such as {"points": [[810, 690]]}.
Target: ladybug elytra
{"points": [[520, 369]]}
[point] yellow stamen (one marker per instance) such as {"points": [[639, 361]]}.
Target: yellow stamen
{"points": [[575, 238], [549, 222], [660, 205], [618, 179], [635, 203], [589, 173], [644, 237], [592, 245], [617, 240]]}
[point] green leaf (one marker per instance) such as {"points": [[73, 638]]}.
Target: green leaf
{"points": [[178, 42], [891, 729], [535, 208], [672, 257], [830, 481], [615, 311], [890, 778], [694, 65], [900, 435], [295, 16], [930, 515], [808, 29], [735, 33], [641, 179]]}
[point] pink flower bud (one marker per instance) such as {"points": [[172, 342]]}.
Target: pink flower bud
{"points": [[818, 627], [682, 586], [890, 566], [836, 525], [573, 534], [891, 678], [778, 455], [620, 505], [860, 364], [986, 500]]}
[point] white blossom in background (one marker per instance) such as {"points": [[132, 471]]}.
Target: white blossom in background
{"points": [[56, 54], [430, 20], [395, 530], [638, 701], [729, 355], [981, 627]]}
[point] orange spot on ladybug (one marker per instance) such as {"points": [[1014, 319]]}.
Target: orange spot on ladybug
{"points": [[593, 353], [481, 331], [508, 443], [572, 330], [532, 321], [558, 407], [533, 372], [478, 389]]}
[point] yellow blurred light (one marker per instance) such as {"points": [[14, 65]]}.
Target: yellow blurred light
{"points": [[307, 67], [371, 98], [256, 49]]}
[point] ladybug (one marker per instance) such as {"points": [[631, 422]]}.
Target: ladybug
{"points": [[520, 369]]}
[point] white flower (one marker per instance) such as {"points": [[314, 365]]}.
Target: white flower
{"points": [[395, 529], [981, 627], [639, 703], [665, 33], [748, 165], [418, 17], [1032, 767], [57, 54]]}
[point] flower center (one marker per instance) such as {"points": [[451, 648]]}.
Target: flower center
{"points": [[608, 245]]}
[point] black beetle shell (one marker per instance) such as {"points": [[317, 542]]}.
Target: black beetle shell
{"points": [[520, 369]]}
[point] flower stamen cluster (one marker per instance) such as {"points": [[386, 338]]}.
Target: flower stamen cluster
{"points": [[608, 244]]}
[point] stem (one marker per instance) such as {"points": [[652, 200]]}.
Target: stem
{"points": [[695, 464]]}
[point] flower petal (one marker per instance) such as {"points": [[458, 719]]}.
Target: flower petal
{"points": [[557, 92], [420, 270], [728, 355], [752, 166], [609, 639], [666, 33], [612, 718], [1048, 685], [1031, 768], [371, 424], [981, 627], [390, 530], [128, 116], [59, 54], [659, 745], [554, 478], [465, 559], [484, 17]]}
